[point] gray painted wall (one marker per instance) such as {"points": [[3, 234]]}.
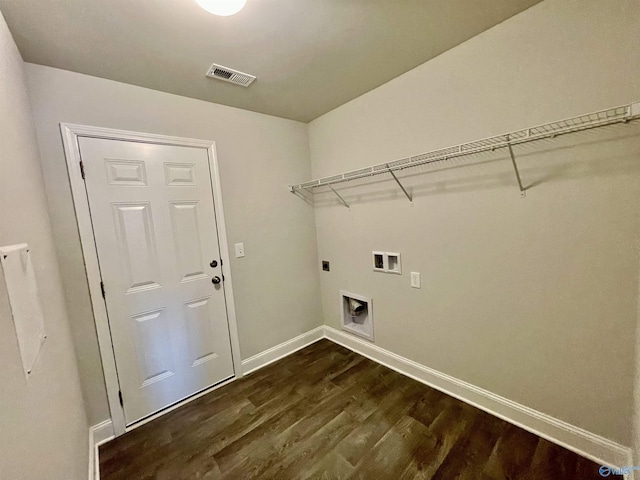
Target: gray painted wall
{"points": [[258, 156], [43, 426], [534, 299]]}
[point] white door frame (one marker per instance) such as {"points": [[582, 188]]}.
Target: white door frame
{"points": [[70, 134]]}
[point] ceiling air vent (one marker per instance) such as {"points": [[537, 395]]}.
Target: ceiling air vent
{"points": [[230, 75]]}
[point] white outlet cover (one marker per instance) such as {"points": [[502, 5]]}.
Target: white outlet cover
{"points": [[239, 250], [415, 279]]}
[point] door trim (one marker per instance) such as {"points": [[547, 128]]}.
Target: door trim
{"points": [[70, 133]]}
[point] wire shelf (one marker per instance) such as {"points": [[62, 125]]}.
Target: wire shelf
{"points": [[623, 113]]}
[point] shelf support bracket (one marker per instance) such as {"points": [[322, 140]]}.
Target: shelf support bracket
{"points": [[400, 185], [339, 197], [515, 168]]}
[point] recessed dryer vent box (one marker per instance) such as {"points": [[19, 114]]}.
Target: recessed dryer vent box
{"points": [[387, 262], [357, 314]]}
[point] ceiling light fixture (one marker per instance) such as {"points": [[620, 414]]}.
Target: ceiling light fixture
{"points": [[224, 8]]}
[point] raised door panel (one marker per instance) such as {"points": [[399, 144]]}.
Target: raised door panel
{"points": [[186, 235], [126, 172], [136, 241], [153, 347], [180, 174], [199, 331]]}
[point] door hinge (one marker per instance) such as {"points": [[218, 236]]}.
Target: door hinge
{"points": [[104, 294], [120, 397], [82, 169]]}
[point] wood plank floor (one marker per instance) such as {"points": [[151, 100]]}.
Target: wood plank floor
{"points": [[328, 413]]}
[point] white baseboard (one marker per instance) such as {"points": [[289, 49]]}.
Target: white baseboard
{"points": [[578, 440], [98, 434], [273, 354], [102, 432]]}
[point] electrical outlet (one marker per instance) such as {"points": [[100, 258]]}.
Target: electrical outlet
{"points": [[325, 266], [239, 250], [415, 279]]}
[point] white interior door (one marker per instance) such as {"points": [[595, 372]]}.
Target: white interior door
{"points": [[153, 217]]}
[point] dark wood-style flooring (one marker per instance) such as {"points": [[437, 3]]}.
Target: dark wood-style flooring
{"points": [[326, 412]]}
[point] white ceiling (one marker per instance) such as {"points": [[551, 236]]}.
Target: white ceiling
{"points": [[310, 56]]}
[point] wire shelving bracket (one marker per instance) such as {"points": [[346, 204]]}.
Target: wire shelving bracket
{"points": [[339, 197], [404, 190], [609, 116], [523, 191]]}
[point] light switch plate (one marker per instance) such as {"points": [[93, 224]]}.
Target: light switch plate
{"points": [[239, 250], [415, 279]]}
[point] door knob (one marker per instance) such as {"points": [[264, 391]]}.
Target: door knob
{"points": [[214, 263], [215, 280]]}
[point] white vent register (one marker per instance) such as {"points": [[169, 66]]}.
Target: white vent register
{"points": [[230, 75]]}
